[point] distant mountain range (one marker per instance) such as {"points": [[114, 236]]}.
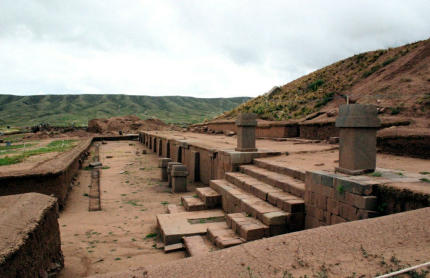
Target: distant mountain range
{"points": [[64, 110]]}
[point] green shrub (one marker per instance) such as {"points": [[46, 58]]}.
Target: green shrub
{"points": [[315, 85]]}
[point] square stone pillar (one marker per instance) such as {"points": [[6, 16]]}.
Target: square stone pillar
{"points": [[162, 164], [169, 171], [179, 175], [358, 124], [246, 124]]}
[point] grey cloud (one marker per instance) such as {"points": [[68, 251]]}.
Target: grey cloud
{"points": [[190, 47]]}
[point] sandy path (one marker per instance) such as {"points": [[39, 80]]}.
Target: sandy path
{"points": [[115, 238]]}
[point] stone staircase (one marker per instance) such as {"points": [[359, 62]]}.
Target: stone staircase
{"points": [[261, 200]]}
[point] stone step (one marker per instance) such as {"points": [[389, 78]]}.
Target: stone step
{"points": [[273, 166], [247, 227], [223, 237], [192, 203], [172, 208], [235, 200], [198, 245], [174, 226], [266, 192], [210, 197], [284, 182]]}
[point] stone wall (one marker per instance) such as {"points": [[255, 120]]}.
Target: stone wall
{"points": [[30, 243], [204, 163], [51, 178], [332, 199]]}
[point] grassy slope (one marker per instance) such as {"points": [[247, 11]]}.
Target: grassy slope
{"points": [[78, 109], [396, 78]]}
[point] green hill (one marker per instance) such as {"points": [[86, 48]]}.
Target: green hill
{"points": [[64, 110]]}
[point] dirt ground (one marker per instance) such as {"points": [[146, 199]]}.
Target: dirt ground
{"points": [[120, 236]]}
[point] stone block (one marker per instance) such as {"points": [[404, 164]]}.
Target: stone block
{"points": [[191, 203], [335, 219], [162, 162], [361, 202], [179, 184], [246, 124], [321, 201], [293, 205], [343, 184], [275, 218], [169, 170], [311, 222], [347, 212], [358, 124], [210, 197], [179, 170], [364, 214], [332, 206], [253, 231]]}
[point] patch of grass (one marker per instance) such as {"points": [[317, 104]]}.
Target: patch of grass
{"points": [[151, 235], [425, 180], [10, 160], [371, 71], [395, 110], [389, 61], [105, 167], [117, 259], [54, 146], [164, 203], [134, 203], [424, 173], [326, 98], [85, 194], [376, 174], [340, 189]]}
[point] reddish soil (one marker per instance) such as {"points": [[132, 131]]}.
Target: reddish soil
{"points": [[114, 239], [125, 124]]}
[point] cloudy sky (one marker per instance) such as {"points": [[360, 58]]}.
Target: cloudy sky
{"points": [[212, 48]]}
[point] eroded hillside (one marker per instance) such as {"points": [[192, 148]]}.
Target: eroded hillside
{"points": [[397, 80]]}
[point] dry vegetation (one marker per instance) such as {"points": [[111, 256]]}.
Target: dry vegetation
{"points": [[396, 78]]}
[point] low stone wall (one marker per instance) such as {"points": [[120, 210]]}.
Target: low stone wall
{"points": [[413, 145], [319, 131], [30, 243], [203, 164], [332, 199], [51, 178], [336, 198]]}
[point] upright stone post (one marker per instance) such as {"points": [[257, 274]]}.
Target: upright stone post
{"points": [[169, 171], [179, 178], [358, 124], [246, 124], [162, 164]]}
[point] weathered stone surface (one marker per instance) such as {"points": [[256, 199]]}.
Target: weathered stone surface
{"points": [[210, 197], [177, 225], [358, 124], [358, 115], [169, 170], [246, 123], [197, 245], [30, 236], [192, 203]]}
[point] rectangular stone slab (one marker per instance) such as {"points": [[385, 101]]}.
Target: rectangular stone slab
{"points": [[174, 226]]}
